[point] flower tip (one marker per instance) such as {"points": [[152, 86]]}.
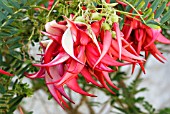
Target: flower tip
{"points": [[5, 73]]}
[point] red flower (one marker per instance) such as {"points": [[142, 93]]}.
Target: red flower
{"points": [[74, 49], [143, 37], [6, 73]]}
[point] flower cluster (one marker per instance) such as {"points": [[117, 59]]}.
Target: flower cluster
{"points": [[92, 49]]}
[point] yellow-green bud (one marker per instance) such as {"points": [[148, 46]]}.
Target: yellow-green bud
{"points": [[113, 34], [96, 16], [105, 26], [79, 19], [114, 18]]}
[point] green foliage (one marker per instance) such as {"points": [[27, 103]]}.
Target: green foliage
{"points": [[164, 111], [12, 94], [127, 101], [150, 9], [20, 26]]}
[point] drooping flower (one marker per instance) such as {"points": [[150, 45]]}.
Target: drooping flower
{"points": [[143, 37], [74, 48], [6, 73]]}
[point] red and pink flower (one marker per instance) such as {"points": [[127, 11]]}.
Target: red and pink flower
{"points": [[143, 37], [77, 48]]}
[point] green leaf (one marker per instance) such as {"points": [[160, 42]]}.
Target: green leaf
{"points": [[160, 10], [155, 5], [166, 17], [13, 103], [6, 8], [4, 34], [165, 27], [147, 13], [164, 111], [140, 5], [16, 55], [13, 40], [23, 1], [146, 4], [16, 46], [14, 3], [3, 16], [2, 89]]}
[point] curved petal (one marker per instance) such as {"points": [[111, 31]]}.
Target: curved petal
{"points": [[6, 73], [118, 37], [67, 44], [72, 84], [106, 45]]}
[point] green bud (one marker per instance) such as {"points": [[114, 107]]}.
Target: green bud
{"points": [[113, 34], [80, 19], [114, 18], [105, 26], [96, 16]]}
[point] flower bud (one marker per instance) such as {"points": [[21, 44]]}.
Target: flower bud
{"points": [[79, 19], [84, 8], [114, 18], [113, 34], [96, 16], [105, 26]]}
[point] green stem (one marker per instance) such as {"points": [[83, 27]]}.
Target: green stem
{"points": [[33, 6], [135, 10], [79, 11], [56, 2], [32, 33], [126, 13]]}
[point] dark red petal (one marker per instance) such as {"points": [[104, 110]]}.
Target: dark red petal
{"points": [[106, 45], [107, 78], [72, 84], [102, 81], [88, 77]]}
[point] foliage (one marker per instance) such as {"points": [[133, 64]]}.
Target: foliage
{"points": [[20, 28], [12, 94]]}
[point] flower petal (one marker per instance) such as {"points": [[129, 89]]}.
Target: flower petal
{"points": [[72, 84], [118, 37], [60, 58], [88, 77], [6, 73], [106, 45], [163, 39], [67, 43]]}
